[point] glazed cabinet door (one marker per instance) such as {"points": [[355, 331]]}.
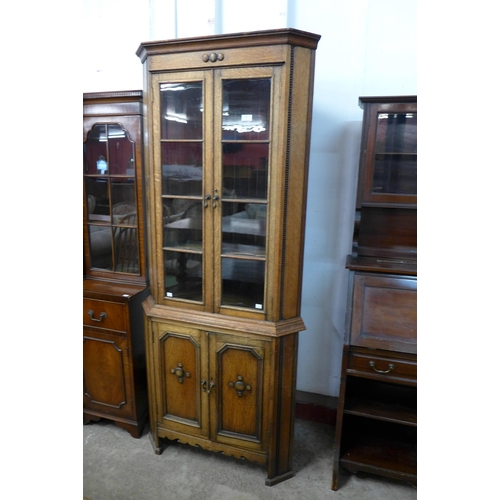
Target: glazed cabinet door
{"points": [[245, 145], [239, 409], [182, 240], [181, 373], [106, 373], [216, 155]]}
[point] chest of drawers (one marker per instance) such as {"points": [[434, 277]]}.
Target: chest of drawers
{"points": [[114, 366]]}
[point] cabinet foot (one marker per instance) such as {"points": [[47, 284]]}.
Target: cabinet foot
{"points": [[278, 479], [155, 443]]}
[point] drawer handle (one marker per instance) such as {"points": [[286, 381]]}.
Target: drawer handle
{"points": [[101, 316], [390, 368]]}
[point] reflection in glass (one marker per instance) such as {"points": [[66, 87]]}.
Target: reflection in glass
{"points": [[243, 283], [126, 245], [183, 275], [182, 171], [182, 224], [395, 164], [120, 152], [181, 110], [245, 170], [97, 198], [112, 224], [246, 106], [123, 196], [101, 256], [244, 229], [94, 149]]}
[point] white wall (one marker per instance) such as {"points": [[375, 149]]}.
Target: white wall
{"points": [[367, 48]]}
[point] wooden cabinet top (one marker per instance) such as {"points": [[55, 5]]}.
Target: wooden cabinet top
{"points": [[244, 39]]}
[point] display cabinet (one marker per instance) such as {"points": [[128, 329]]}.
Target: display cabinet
{"points": [[228, 127], [376, 427], [115, 278]]}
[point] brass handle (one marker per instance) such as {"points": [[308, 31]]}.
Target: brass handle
{"points": [[216, 199], [207, 199], [213, 57], [180, 373], [240, 386], [101, 316], [372, 365]]}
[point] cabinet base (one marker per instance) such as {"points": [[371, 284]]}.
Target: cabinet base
{"points": [[132, 427], [278, 479]]}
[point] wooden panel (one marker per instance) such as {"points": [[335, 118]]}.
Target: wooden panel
{"points": [[181, 378], [385, 313], [232, 57], [240, 395], [115, 314], [104, 372], [388, 231], [238, 412]]}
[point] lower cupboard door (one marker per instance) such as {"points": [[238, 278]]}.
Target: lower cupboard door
{"points": [[181, 366], [240, 406], [106, 373]]}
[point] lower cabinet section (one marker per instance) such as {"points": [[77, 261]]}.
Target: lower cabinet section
{"points": [[114, 363], [226, 391], [376, 428]]}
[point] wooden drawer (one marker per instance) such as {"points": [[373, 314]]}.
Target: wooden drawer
{"points": [[383, 366], [384, 312], [110, 315]]}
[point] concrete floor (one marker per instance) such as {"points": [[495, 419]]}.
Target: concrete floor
{"points": [[118, 467]]}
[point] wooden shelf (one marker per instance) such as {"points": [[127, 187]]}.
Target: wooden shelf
{"points": [[381, 401], [386, 456]]}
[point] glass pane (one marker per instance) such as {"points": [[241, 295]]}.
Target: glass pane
{"points": [[182, 224], [182, 171], [126, 246], [94, 151], [97, 199], [395, 174], [244, 230], [100, 247], [183, 275], [245, 109], [181, 110], [245, 170], [120, 151], [243, 283], [396, 133], [123, 198], [395, 167]]}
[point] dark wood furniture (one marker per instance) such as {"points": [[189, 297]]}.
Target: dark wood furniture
{"points": [[115, 278], [228, 126], [376, 427]]}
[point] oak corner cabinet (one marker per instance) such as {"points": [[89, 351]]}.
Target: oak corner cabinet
{"points": [[115, 277], [376, 427], [227, 148]]}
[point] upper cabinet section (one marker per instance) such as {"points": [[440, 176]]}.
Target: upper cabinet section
{"points": [[112, 180], [228, 121], [385, 229], [389, 161]]}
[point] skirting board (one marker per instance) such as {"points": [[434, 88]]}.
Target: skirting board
{"points": [[316, 407]]}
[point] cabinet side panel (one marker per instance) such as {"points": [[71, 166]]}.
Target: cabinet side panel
{"points": [[302, 76]]}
